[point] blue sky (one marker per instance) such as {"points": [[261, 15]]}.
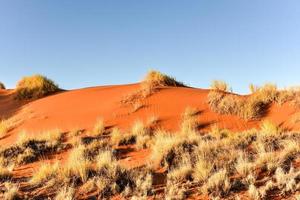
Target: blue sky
{"points": [[87, 43]]}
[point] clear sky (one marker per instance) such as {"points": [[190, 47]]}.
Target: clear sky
{"points": [[81, 43]]}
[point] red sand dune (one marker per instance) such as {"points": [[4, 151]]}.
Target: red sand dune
{"points": [[81, 108]]}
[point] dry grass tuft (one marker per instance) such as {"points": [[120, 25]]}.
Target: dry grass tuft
{"points": [[243, 166], [219, 85], [66, 193], [99, 128], [150, 84], [11, 191], [218, 184], [268, 128], [5, 126], [253, 88], [116, 136], [36, 86], [254, 193], [29, 149], [202, 170], [180, 173], [157, 79], [253, 106], [77, 165], [44, 173], [5, 173], [189, 120]]}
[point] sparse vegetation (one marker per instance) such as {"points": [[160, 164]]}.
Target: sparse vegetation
{"points": [[99, 128], [5, 126], [214, 164], [11, 191], [44, 173], [219, 85], [157, 79], [153, 81], [250, 107], [28, 149], [66, 193], [36, 86]]}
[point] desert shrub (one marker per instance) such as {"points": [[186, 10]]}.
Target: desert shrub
{"points": [[268, 128], [93, 148], [105, 159], [116, 136], [99, 128], [176, 191], [180, 173], [44, 173], [202, 169], [218, 132], [254, 193], [253, 88], [30, 149], [267, 93], [243, 166], [77, 165], [139, 132], [65, 193], [35, 86], [219, 85], [284, 96], [5, 173], [11, 191], [5, 126], [150, 84], [189, 120], [251, 107], [168, 148], [224, 103], [218, 184], [158, 79], [2, 86], [268, 161]]}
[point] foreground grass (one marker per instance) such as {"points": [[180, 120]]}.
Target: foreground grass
{"points": [[255, 164]]}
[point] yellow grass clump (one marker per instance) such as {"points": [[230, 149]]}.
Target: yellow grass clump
{"points": [[219, 85], [99, 128], [65, 193], [44, 173], [268, 128], [12, 191], [78, 166], [5, 126], [158, 79], [36, 86]]}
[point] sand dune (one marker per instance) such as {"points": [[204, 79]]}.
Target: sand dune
{"points": [[81, 108]]}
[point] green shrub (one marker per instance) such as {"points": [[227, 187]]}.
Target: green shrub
{"points": [[35, 86]]}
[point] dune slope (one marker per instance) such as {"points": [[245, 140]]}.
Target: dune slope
{"points": [[79, 109]]}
